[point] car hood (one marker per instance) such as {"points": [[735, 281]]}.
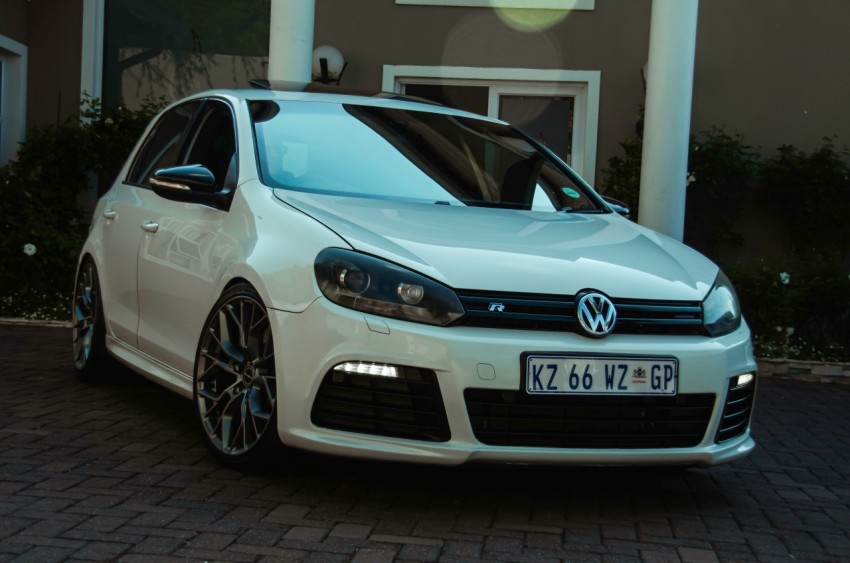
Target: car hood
{"points": [[516, 251]]}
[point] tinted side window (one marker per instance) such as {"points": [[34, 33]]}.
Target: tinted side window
{"points": [[162, 147], [213, 141]]}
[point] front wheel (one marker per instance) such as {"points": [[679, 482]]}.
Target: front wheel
{"points": [[235, 390]]}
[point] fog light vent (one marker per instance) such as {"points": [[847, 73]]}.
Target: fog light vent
{"points": [[739, 407], [382, 400]]}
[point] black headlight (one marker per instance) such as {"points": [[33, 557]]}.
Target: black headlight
{"points": [[365, 283], [721, 313]]}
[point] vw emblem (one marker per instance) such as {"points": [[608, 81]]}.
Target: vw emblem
{"points": [[596, 314]]}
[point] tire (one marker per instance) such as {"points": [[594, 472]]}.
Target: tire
{"points": [[234, 384], [91, 360]]}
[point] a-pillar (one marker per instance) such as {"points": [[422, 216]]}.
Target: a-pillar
{"points": [[669, 89], [291, 41]]}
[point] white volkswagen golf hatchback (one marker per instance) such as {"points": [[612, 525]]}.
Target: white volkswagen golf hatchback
{"points": [[386, 278]]}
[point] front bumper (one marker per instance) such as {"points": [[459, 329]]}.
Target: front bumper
{"points": [[309, 344]]}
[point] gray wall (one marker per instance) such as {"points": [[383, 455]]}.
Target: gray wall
{"points": [[53, 76], [13, 19], [774, 70]]}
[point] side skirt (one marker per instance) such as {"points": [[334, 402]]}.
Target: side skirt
{"points": [[150, 368]]}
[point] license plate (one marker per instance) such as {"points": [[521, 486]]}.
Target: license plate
{"points": [[570, 375]]}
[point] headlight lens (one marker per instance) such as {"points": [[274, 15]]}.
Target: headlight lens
{"points": [[721, 313], [365, 283]]}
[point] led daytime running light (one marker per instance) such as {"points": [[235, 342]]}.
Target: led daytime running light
{"points": [[364, 368]]}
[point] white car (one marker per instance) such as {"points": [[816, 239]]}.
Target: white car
{"points": [[386, 278]]}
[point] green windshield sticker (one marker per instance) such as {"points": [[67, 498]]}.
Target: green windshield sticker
{"points": [[571, 192]]}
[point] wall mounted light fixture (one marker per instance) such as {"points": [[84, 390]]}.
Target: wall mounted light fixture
{"points": [[328, 64]]}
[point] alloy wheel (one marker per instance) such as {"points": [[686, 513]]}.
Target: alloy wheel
{"points": [[235, 387], [85, 314]]}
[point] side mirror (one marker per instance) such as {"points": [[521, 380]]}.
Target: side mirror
{"points": [[617, 206], [192, 183]]}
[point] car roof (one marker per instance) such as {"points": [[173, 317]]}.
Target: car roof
{"points": [[336, 95]]}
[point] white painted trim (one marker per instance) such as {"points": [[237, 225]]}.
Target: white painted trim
{"points": [[505, 78], [576, 90], [14, 87], [535, 4], [91, 67]]}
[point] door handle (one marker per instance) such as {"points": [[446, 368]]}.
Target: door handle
{"points": [[110, 214], [150, 226]]}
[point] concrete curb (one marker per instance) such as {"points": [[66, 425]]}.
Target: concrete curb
{"points": [[804, 370], [35, 322], [799, 370]]}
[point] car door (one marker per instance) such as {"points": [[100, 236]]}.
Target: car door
{"points": [[184, 251], [125, 217]]}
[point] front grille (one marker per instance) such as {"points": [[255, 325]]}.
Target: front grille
{"points": [[408, 406], [513, 418], [736, 413], [528, 311]]}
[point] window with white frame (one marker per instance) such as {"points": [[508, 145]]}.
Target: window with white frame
{"points": [[520, 4], [560, 108], [13, 94]]}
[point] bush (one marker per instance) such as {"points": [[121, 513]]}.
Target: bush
{"points": [[800, 311], [812, 194], [42, 222], [720, 170]]}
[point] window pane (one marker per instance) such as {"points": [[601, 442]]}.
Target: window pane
{"points": [[172, 48], [162, 147], [213, 143], [467, 98], [411, 155], [547, 119]]}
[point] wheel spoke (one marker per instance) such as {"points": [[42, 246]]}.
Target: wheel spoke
{"points": [[240, 329], [226, 341], [255, 403], [219, 364]]}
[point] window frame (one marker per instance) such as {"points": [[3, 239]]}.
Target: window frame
{"points": [[190, 132], [588, 5], [13, 85], [585, 85]]}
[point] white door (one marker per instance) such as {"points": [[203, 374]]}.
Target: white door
{"points": [[182, 254]]}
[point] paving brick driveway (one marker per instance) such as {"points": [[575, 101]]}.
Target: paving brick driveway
{"points": [[117, 472]]}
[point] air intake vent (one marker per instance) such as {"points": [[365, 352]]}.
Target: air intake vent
{"points": [[407, 406], [736, 413], [512, 418]]}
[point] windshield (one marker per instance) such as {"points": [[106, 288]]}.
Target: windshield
{"points": [[393, 153]]}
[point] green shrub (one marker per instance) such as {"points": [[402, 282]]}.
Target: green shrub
{"points": [[799, 311], [720, 171], [811, 193], [43, 227]]}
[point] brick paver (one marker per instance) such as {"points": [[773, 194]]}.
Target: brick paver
{"points": [[117, 471]]}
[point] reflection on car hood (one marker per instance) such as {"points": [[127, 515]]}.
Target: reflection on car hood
{"points": [[516, 251]]}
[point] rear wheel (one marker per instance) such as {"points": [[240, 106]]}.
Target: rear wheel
{"points": [[88, 331], [235, 390]]}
